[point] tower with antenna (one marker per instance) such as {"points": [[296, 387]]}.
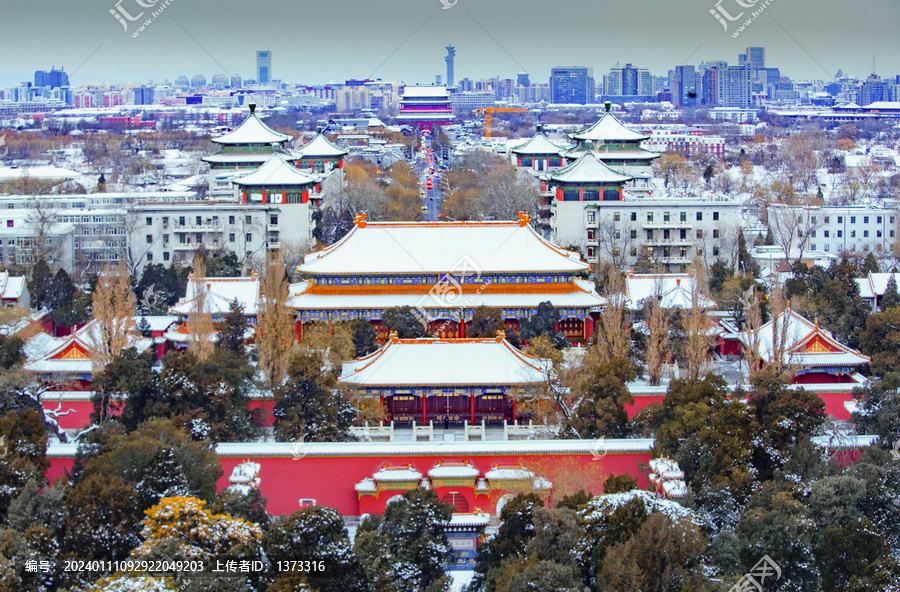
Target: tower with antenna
{"points": [[451, 53]]}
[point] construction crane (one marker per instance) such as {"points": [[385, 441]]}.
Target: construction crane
{"points": [[490, 110]]}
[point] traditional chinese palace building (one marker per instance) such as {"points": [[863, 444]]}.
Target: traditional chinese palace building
{"points": [[425, 106], [814, 354], [318, 155], [455, 380], [248, 146], [444, 271], [616, 145], [538, 153]]}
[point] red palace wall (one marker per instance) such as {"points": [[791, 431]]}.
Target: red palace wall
{"points": [[328, 472]]}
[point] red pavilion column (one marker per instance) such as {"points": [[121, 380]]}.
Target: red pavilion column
{"points": [[588, 327], [424, 409], [472, 408], [462, 328], [382, 407], [514, 410]]}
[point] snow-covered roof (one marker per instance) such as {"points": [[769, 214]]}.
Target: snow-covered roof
{"points": [[429, 361], [276, 171], [11, 287], [805, 343], [424, 91], [609, 129], [453, 471], [320, 147], [875, 284], [441, 247], [475, 519], [257, 158], [606, 154], [499, 473], [40, 172], [605, 505], [158, 322], [71, 354], [675, 290], [587, 169], [244, 477], [220, 293], [306, 296], [396, 474], [538, 144], [252, 131]]}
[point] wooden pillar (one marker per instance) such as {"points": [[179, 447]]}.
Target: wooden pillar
{"points": [[472, 408], [424, 409], [462, 327], [381, 397], [514, 410], [588, 327]]}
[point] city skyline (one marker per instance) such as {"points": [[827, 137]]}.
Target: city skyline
{"points": [[407, 41]]}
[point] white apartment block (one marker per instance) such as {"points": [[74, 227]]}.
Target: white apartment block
{"points": [[672, 231], [832, 229]]}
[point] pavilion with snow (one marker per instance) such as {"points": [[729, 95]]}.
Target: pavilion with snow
{"points": [[452, 380], [444, 271]]}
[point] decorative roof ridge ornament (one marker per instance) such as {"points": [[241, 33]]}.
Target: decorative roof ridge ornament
{"points": [[524, 218], [360, 220]]}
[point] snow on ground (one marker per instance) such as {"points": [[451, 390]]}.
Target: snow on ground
{"points": [[460, 579]]}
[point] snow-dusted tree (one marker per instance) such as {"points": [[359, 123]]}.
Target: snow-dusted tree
{"points": [[200, 323], [699, 335], [113, 306], [613, 331], [658, 322], [275, 323]]}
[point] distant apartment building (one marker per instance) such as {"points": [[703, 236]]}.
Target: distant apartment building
{"points": [[670, 231], [469, 101], [534, 93], [52, 79], [832, 229], [686, 141], [753, 57], [198, 82], [684, 86], [264, 67], [573, 85], [737, 89], [143, 95], [236, 81]]}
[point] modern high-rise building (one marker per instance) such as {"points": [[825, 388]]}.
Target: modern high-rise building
{"points": [[684, 86], [235, 81], [451, 53], [713, 89], [755, 57], [737, 87], [198, 82], [873, 89], [627, 81], [573, 84], [264, 67], [143, 95], [523, 79], [54, 78]]}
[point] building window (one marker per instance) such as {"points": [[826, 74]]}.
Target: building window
{"points": [[683, 233], [666, 234], [591, 234], [826, 247], [248, 237], [149, 256], [813, 246], [715, 215], [166, 256], [877, 219], [592, 217], [813, 234], [683, 252], [852, 219], [618, 235], [149, 239], [616, 252], [892, 234], [683, 217], [231, 219], [649, 235], [248, 219], [634, 251], [812, 219], [865, 234], [852, 234], [273, 220], [634, 217], [715, 233], [181, 220], [840, 233], [149, 221], [840, 219], [827, 220], [616, 217], [865, 219], [634, 234], [699, 216], [649, 216], [590, 252], [231, 237], [877, 234], [699, 233], [715, 251], [825, 233], [665, 216], [892, 219]]}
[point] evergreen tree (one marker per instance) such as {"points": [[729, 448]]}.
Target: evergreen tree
{"points": [[307, 406], [544, 322], [486, 321], [103, 518], [231, 329], [129, 376], [405, 321], [891, 297], [62, 291], [408, 548], [747, 264], [870, 265], [602, 409], [23, 439], [365, 338], [515, 532], [40, 285], [317, 534]]}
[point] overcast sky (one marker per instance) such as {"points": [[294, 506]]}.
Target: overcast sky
{"points": [[316, 42]]}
